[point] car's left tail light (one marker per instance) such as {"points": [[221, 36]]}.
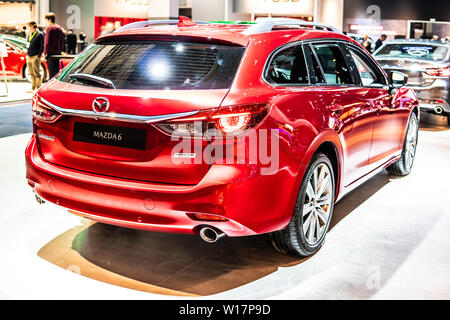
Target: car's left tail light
{"points": [[43, 112], [226, 121]]}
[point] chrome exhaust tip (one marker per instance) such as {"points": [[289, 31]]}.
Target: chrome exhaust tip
{"points": [[211, 235], [39, 200], [438, 110]]}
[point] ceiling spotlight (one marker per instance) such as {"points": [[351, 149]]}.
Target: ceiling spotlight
{"points": [[159, 70], [179, 48]]}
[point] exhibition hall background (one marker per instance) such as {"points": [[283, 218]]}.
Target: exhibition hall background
{"points": [[357, 16]]}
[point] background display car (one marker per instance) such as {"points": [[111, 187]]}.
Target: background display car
{"points": [[427, 64], [17, 41], [16, 61], [107, 129]]}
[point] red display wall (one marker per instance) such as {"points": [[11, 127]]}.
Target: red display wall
{"points": [[101, 21]]}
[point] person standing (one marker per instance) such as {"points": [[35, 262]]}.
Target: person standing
{"points": [[367, 44], [53, 44], [82, 38], [34, 52], [71, 42], [380, 41]]}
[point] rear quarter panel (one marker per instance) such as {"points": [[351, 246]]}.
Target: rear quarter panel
{"points": [[302, 123]]}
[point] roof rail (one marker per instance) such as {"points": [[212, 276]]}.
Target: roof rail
{"points": [[267, 24], [150, 23]]}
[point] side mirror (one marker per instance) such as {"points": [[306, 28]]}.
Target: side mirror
{"points": [[397, 80]]}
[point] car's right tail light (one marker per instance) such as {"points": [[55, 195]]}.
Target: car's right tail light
{"points": [[438, 72], [227, 121]]}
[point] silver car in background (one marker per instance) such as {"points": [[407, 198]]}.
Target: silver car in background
{"points": [[427, 64]]}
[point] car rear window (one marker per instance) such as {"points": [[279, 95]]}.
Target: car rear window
{"points": [[288, 67], [333, 64], [158, 65], [417, 51]]}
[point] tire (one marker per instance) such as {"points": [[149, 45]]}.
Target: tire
{"points": [[404, 165], [301, 238], [27, 76]]}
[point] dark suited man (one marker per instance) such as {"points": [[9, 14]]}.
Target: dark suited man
{"points": [[380, 41], [71, 42], [34, 52], [54, 43]]}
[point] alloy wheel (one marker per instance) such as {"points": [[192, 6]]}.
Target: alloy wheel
{"points": [[317, 205], [411, 143]]}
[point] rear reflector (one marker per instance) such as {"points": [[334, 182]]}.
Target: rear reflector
{"points": [[206, 217]]}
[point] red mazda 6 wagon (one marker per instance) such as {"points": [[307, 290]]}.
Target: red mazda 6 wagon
{"points": [[219, 130]]}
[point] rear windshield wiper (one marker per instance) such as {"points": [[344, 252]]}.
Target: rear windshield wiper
{"points": [[89, 78]]}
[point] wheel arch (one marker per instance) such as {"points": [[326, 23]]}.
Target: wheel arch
{"points": [[416, 111], [329, 144], [329, 149], [24, 67]]}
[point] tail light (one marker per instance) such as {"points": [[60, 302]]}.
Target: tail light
{"points": [[43, 112], [438, 72], [227, 121]]}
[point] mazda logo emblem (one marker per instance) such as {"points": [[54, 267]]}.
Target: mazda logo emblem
{"points": [[100, 105]]}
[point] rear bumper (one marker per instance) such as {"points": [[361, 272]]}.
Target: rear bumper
{"points": [[433, 107], [253, 204], [435, 95]]}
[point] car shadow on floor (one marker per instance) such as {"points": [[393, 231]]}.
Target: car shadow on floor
{"points": [[433, 122], [183, 263], [174, 264], [170, 264], [433, 128], [358, 196]]}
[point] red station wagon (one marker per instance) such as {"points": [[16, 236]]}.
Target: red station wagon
{"points": [[16, 59], [130, 133]]}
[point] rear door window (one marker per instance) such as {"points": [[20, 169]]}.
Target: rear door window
{"points": [[158, 65], [315, 70], [334, 66]]}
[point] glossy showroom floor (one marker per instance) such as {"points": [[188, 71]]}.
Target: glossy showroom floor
{"points": [[390, 239]]}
